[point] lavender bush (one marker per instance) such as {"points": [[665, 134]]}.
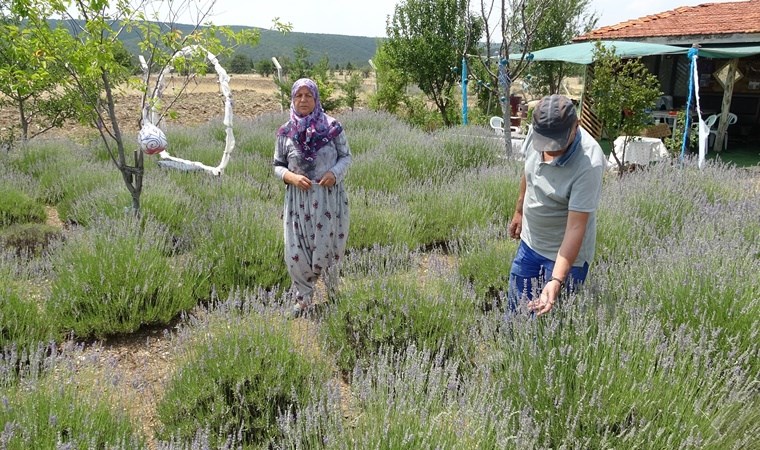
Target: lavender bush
{"points": [[17, 207], [396, 310], [22, 323], [50, 400], [115, 277], [240, 243], [238, 374]]}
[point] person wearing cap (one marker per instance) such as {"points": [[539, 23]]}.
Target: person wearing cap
{"points": [[555, 215]]}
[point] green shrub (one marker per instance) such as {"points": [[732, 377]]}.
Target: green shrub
{"points": [[498, 186], [395, 311], [241, 241], [380, 219], [421, 158], [378, 172], [409, 400], [443, 213], [379, 261], [488, 268], [258, 142], [172, 207], [39, 158], [235, 183], [236, 379], [617, 236], [115, 277], [364, 141], [463, 152], [111, 201], [17, 207], [68, 186], [663, 212], [21, 320], [57, 416], [204, 144], [29, 238]]}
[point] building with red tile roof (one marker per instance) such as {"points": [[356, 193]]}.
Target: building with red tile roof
{"points": [[732, 28], [705, 24]]}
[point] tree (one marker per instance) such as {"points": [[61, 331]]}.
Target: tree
{"points": [[391, 83], [264, 67], [561, 21], [351, 88], [622, 92], [512, 26], [90, 60], [427, 39], [240, 63], [32, 79]]}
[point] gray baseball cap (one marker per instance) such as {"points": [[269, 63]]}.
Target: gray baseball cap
{"points": [[554, 118]]}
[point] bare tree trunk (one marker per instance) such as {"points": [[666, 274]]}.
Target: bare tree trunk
{"points": [[505, 85], [132, 175], [24, 120]]}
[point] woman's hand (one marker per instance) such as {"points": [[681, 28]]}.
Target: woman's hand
{"points": [[328, 179], [300, 181]]}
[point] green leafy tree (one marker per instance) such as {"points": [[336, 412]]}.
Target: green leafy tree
{"points": [[265, 67], [426, 39], [91, 62], [32, 78], [352, 88], [391, 83], [240, 63], [562, 20], [622, 92]]}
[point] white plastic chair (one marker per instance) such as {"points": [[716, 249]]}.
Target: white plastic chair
{"points": [[497, 123], [712, 124]]}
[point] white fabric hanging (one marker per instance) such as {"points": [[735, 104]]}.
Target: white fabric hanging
{"points": [[704, 130]]}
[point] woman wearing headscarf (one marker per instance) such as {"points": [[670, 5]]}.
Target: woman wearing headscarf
{"points": [[312, 157]]}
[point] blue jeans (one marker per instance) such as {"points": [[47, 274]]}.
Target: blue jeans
{"points": [[530, 272]]}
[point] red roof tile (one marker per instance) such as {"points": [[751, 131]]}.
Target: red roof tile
{"points": [[706, 19]]}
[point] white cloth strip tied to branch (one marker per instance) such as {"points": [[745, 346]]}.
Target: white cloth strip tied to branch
{"points": [[152, 139]]}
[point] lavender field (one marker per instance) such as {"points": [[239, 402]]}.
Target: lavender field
{"points": [[413, 350]]}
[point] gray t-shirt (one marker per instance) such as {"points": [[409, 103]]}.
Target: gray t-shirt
{"points": [[571, 182]]}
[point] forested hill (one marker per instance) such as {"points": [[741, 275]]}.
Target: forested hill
{"points": [[339, 49]]}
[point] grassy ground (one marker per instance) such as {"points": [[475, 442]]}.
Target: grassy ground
{"points": [[741, 154]]}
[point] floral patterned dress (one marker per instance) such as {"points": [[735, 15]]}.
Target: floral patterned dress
{"points": [[315, 221]]}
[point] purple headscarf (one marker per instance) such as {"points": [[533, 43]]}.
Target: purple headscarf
{"points": [[312, 132]]}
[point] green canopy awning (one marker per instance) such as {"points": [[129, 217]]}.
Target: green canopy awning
{"points": [[729, 52], [583, 52]]}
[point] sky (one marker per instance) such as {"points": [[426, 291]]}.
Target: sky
{"points": [[368, 17]]}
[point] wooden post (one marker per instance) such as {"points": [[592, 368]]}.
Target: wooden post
{"points": [[728, 91]]}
